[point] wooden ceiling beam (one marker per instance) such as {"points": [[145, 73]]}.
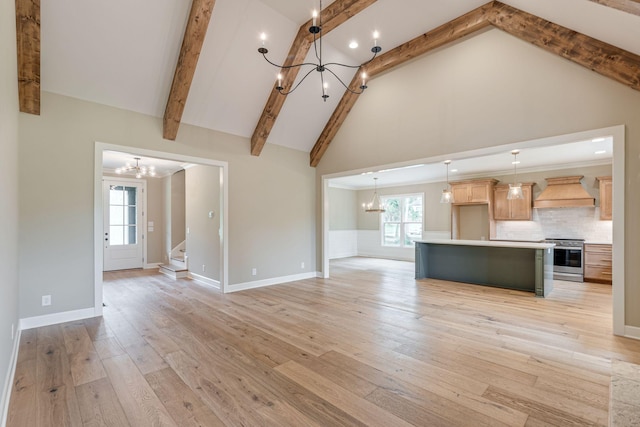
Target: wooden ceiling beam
{"points": [[192, 41], [603, 58], [333, 15], [28, 49], [447, 33], [629, 6]]}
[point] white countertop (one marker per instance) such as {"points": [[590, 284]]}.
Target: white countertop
{"points": [[492, 243]]}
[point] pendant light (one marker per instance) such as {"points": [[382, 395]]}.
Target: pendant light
{"points": [[515, 189], [446, 197], [375, 205]]}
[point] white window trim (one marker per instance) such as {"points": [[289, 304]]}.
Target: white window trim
{"points": [[383, 197]]}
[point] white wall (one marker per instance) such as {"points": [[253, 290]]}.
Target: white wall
{"points": [[202, 195], [487, 90], [271, 199], [9, 193]]}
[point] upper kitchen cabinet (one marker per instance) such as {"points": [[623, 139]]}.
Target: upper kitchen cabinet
{"points": [[512, 210], [606, 197], [472, 191]]}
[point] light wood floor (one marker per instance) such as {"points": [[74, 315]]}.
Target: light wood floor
{"points": [[371, 346]]}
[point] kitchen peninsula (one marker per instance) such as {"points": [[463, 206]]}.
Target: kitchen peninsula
{"points": [[525, 266]]}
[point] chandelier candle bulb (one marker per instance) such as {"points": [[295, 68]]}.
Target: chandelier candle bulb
{"points": [[263, 38], [314, 16]]}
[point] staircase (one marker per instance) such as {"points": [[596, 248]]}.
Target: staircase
{"points": [[177, 267]]}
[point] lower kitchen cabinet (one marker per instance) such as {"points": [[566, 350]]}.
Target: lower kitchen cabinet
{"points": [[597, 263]]}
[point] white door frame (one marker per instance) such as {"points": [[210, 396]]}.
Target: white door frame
{"points": [[618, 135], [142, 203], [98, 212]]}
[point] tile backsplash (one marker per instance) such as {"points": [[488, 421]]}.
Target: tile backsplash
{"points": [[569, 223]]}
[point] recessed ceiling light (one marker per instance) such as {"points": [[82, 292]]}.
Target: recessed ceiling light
{"points": [[601, 152], [454, 170], [353, 44], [517, 162], [598, 139]]}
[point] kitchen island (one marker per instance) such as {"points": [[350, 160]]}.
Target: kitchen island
{"points": [[524, 266]]}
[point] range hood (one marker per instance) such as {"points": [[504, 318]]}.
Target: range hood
{"points": [[564, 192]]}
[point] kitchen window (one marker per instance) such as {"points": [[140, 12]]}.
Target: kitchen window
{"points": [[401, 223]]}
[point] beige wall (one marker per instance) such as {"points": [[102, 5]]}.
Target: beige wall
{"points": [[487, 90], [8, 187], [342, 209], [155, 214], [202, 195], [271, 199], [178, 208]]}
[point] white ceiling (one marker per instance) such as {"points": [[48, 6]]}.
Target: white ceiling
{"points": [[123, 53], [111, 160], [561, 156]]}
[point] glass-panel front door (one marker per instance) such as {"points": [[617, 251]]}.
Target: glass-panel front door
{"points": [[122, 221]]}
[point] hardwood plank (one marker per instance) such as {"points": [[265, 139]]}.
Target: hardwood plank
{"points": [[539, 411], [28, 44], [361, 409], [192, 41], [97, 329], [184, 406], [140, 404], [85, 363], [56, 403], [99, 405], [333, 15], [369, 337]]}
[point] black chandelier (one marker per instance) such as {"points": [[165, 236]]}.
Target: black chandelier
{"points": [[320, 66]]}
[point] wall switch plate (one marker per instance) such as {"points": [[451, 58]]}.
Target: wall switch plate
{"points": [[12, 331], [302, 264], [254, 271], [204, 267], [46, 300]]}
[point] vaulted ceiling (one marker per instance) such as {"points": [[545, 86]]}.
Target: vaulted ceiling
{"points": [[197, 63]]}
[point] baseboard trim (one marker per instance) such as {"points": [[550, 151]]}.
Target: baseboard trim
{"points": [[269, 282], [632, 332], [8, 385], [204, 280], [152, 265], [55, 318]]}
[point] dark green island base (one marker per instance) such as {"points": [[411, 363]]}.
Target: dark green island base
{"points": [[524, 266]]}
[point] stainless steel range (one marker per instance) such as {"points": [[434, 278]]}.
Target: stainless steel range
{"points": [[568, 259]]}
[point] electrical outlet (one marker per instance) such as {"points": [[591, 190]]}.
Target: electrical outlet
{"points": [[254, 271], [46, 300], [302, 264], [203, 267]]}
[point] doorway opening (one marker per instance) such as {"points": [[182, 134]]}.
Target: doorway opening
{"points": [[129, 230], [615, 133]]}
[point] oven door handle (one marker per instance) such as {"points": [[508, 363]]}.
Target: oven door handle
{"points": [[573, 248]]}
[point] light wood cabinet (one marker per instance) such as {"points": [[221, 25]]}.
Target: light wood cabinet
{"points": [[472, 191], [606, 197], [597, 263], [512, 210]]}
